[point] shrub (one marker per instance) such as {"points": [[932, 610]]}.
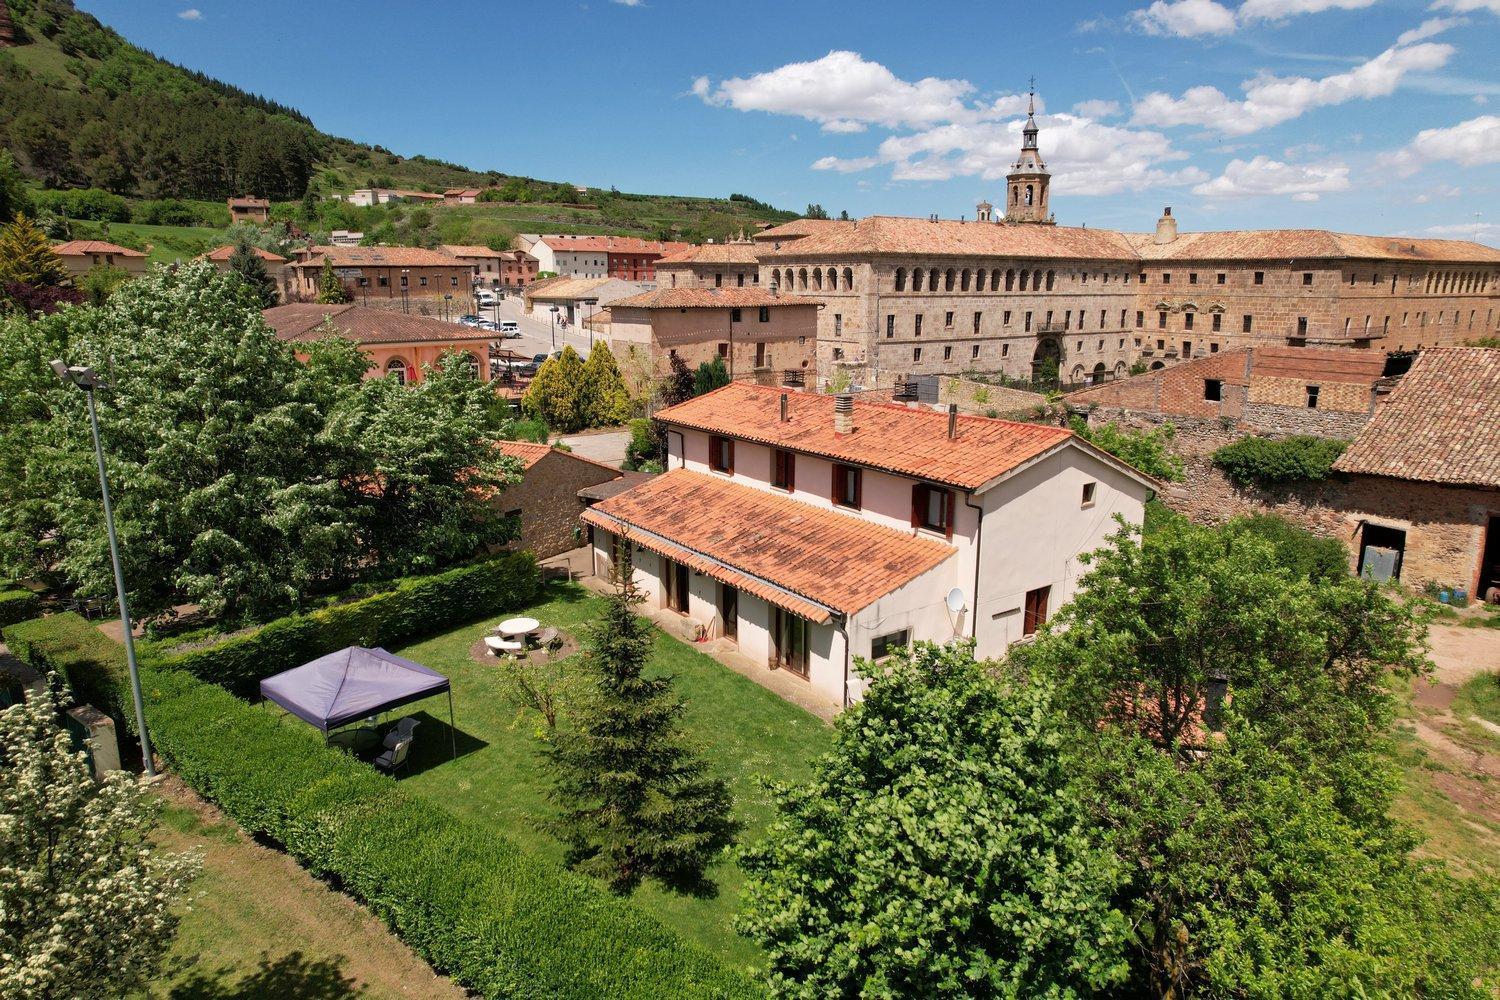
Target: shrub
{"points": [[413, 609], [17, 604], [495, 918], [1307, 555], [1263, 461], [1148, 451], [91, 662], [86, 203]]}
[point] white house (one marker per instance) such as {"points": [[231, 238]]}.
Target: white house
{"points": [[813, 529], [571, 256]]}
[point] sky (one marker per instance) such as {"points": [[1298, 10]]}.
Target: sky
{"points": [[1374, 116]]}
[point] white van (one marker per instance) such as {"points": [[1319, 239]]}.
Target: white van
{"points": [[509, 327]]}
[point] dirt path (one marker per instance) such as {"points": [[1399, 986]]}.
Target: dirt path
{"points": [[260, 926]]}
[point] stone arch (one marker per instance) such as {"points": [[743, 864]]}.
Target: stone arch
{"points": [[1010, 279], [1024, 275], [916, 279], [848, 279], [900, 279], [933, 279], [963, 280], [471, 363], [1098, 373], [1077, 375], [995, 280], [1120, 369], [1157, 366], [817, 279], [802, 278], [1051, 276], [1036, 279]]}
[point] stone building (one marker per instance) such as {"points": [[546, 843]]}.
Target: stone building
{"points": [[546, 500], [384, 276], [712, 265], [1017, 294]]}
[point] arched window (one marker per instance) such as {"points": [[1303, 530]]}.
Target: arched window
{"points": [[963, 280], [833, 279], [1010, 279], [948, 280], [1028, 194], [1022, 286], [932, 280], [802, 278], [995, 280], [471, 364], [1077, 374], [900, 279], [818, 278], [397, 368], [1036, 280], [1015, 195], [1120, 369], [1049, 280], [916, 279], [848, 279]]}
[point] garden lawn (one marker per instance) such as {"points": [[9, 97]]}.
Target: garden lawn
{"points": [[746, 732]]}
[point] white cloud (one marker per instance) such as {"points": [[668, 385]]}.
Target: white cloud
{"points": [[843, 91], [1279, 10], [1271, 100], [1263, 176], [1428, 28], [1482, 232], [1185, 18], [191, 14], [1468, 6], [1096, 109], [1471, 143], [1439, 191], [850, 165], [631, 3]]}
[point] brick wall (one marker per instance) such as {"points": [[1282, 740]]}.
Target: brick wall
{"points": [[548, 500]]}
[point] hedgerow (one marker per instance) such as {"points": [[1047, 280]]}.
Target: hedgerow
{"points": [[17, 604], [1257, 460], [495, 918], [412, 609], [73, 647]]}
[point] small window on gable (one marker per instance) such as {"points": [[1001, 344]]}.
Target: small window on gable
{"points": [[1213, 389], [721, 454], [1088, 494]]}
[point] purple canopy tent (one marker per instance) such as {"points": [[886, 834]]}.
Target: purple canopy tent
{"points": [[352, 684]]}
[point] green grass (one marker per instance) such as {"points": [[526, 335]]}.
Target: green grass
{"points": [[167, 243], [745, 731], [1479, 696]]}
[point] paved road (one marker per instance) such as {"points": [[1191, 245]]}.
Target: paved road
{"points": [[537, 332], [608, 447]]}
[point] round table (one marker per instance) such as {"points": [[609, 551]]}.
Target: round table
{"points": [[518, 626]]}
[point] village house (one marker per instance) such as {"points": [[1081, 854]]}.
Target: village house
{"points": [[712, 265], [219, 257], [398, 344], [82, 256], [757, 334], [573, 301], [365, 197], [249, 210], [628, 258], [546, 501], [486, 264], [517, 269], [385, 274], [460, 196], [814, 530]]}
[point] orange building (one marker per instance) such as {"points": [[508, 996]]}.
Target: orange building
{"points": [[398, 344]]}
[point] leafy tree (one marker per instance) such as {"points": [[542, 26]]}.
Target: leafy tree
{"points": [[602, 391], [815, 211], [679, 385], [844, 215], [1150, 451], [87, 903], [554, 395], [937, 850], [1301, 552], [636, 801], [100, 282], [330, 286], [251, 269], [710, 375]]}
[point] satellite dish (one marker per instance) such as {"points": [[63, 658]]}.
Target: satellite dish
{"points": [[955, 600]]}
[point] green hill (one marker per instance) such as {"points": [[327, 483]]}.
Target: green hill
{"points": [[82, 108]]}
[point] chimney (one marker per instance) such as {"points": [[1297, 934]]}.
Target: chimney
{"points": [[952, 421], [843, 413], [783, 408], [1166, 227]]}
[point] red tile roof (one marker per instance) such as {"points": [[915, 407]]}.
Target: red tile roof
{"points": [[709, 298], [82, 248], [381, 257], [612, 244], [901, 439], [1441, 424], [713, 253], [799, 228], [799, 557], [305, 321], [1281, 244], [529, 452], [890, 234], [249, 203], [226, 251]]}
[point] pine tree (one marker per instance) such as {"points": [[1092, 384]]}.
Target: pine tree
{"points": [[554, 395], [26, 255], [330, 286], [637, 801], [711, 375], [603, 392], [251, 269]]}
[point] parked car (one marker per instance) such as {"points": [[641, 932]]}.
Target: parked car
{"points": [[488, 324], [470, 319], [540, 358], [510, 328]]}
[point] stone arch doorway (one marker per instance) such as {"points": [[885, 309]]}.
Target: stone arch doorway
{"points": [[1046, 360]]}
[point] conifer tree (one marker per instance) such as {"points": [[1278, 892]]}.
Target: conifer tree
{"points": [[251, 269], [330, 286], [26, 255], [711, 375], [603, 391], [637, 801], [554, 395]]}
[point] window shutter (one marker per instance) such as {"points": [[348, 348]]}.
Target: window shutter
{"points": [[917, 493], [948, 512], [791, 471], [859, 488]]}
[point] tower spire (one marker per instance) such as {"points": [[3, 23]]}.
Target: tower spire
{"points": [[1027, 183]]}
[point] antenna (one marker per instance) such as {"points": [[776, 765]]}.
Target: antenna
{"points": [[955, 600]]}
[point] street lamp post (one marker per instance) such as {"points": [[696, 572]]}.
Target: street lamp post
{"points": [[88, 381], [553, 311], [447, 305], [405, 281]]}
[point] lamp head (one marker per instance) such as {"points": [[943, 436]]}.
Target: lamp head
{"points": [[61, 368]]}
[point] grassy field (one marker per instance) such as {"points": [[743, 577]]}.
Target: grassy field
{"points": [[499, 778], [167, 243]]}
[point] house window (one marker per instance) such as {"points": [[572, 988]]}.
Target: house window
{"points": [[1260, 277], [384, 281], [916, 354], [765, 314], [784, 474], [760, 354], [1004, 350], [882, 646], [948, 353], [1028, 321], [917, 326], [1219, 278], [422, 282], [838, 324], [1036, 610], [848, 484], [1216, 321], [948, 321], [838, 354], [721, 454], [1213, 348], [1166, 277], [1307, 277], [1301, 326], [890, 325], [405, 281], [718, 280], [734, 315], [932, 508], [1161, 321], [1312, 397], [724, 349], [1088, 494], [975, 352], [1187, 321], [1005, 318], [1140, 319], [1192, 277], [976, 322], [1213, 389], [1245, 324]]}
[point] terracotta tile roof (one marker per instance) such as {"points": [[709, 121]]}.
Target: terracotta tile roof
{"points": [[710, 298], [714, 253], [798, 228], [303, 321], [529, 452], [456, 192], [380, 257], [614, 487], [249, 203], [1441, 424], [889, 234], [226, 251], [1275, 244], [469, 251], [797, 556], [562, 289], [901, 439], [612, 244], [82, 248]]}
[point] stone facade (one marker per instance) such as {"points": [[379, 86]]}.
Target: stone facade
{"points": [[547, 499], [755, 342]]}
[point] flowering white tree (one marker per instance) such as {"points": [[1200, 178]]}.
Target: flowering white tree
{"points": [[86, 903]]}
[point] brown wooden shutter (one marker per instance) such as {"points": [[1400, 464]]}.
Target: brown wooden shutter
{"points": [[948, 508], [791, 471], [917, 495], [859, 487]]}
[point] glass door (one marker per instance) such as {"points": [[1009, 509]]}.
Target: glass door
{"points": [[790, 633]]}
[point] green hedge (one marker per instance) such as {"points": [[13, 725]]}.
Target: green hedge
{"points": [[1267, 462], [92, 663], [495, 918], [414, 609], [17, 604]]}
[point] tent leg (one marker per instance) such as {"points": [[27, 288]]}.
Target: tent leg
{"points": [[452, 729]]}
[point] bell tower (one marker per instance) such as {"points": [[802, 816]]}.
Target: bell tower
{"points": [[1027, 183]]}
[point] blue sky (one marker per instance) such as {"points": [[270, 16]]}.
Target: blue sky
{"points": [[1360, 115]]}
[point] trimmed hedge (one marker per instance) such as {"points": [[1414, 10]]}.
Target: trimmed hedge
{"points": [[17, 604], [494, 917], [92, 663], [1265, 461], [413, 609]]}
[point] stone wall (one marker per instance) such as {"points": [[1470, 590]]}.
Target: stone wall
{"points": [[985, 399], [548, 501]]}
